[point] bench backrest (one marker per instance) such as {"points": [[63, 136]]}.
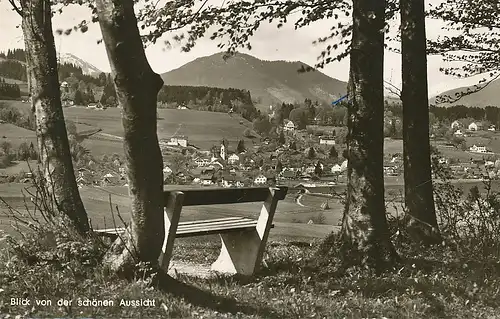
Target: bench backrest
{"points": [[213, 196]]}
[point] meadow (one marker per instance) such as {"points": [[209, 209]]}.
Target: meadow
{"points": [[16, 135], [203, 129], [290, 219]]}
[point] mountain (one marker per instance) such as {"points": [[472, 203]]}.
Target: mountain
{"points": [[87, 68], [488, 96], [269, 82]]}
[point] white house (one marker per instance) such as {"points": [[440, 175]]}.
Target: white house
{"points": [[475, 126], [310, 169], [343, 166], [233, 158], [260, 180], [455, 124], [327, 140], [201, 162], [336, 169], [65, 85], [289, 126], [442, 160], [178, 141], [458, 133], [67, 102], [492, 128], [167, 170], [478, 149]]}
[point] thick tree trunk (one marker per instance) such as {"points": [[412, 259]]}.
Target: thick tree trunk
{"points": [[46, 102], [364, 228], [419, 198], [137, 87]]}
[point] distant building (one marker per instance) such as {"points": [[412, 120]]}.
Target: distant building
{"points": [[336, 169], [65, 86], [310, 170], [66, 103], [223, 150], [201, 162], [478, 149], [233, 158], [456, 124], [327, 140], [260, 180], [289, 126], [442, 160], [167, 170], [458, 133], [288, 174], [492, 128], [343, 166], [474, 126], [178, 141]]}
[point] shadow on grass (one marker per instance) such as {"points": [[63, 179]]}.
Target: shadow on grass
{"points": [[202, 298]]}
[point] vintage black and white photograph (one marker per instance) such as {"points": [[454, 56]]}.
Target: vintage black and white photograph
{"points": [[250, 159]]}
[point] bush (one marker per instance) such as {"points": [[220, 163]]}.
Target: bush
{"points": [[12, 115], [5, 161], [320, 218]]}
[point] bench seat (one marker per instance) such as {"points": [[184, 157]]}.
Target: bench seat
{"points": [[198, 228]]}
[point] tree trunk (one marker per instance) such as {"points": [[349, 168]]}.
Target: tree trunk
{"points": [[364, 229], [137, 87], [51, 132], [419, 198]]}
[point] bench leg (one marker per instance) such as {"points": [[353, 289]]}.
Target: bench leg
{"points": [[172, 215], [242, 252], [238, 253]]}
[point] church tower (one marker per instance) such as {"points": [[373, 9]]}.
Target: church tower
{"points": [[223, 149]]}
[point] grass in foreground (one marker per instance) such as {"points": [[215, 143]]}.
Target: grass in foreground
{"points": [[431, 283]]}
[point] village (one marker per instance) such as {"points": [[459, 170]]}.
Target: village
{"points": [[262, 162]]}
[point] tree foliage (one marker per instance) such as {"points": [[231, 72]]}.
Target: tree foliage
{"points": [[474, 43], [13, 69], [10, 91], [209, 99]]}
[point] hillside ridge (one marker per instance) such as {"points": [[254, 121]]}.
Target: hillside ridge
{"points": [[269, 82]]}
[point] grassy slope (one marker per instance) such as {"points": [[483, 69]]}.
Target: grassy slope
{"points": [[203, 129], [16, 135], [97, 203], [23, 86]]}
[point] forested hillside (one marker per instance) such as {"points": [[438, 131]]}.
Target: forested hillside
{"points": [[205, 98]]}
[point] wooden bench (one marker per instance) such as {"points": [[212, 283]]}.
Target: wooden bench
{"points": [[243, 239]]}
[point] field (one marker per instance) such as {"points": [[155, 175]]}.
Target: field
{"points": [[203, 129], [290, 217], [16, 135], [23, 86]]}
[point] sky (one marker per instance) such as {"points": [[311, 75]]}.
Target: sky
{"points": [[269, 43]]}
